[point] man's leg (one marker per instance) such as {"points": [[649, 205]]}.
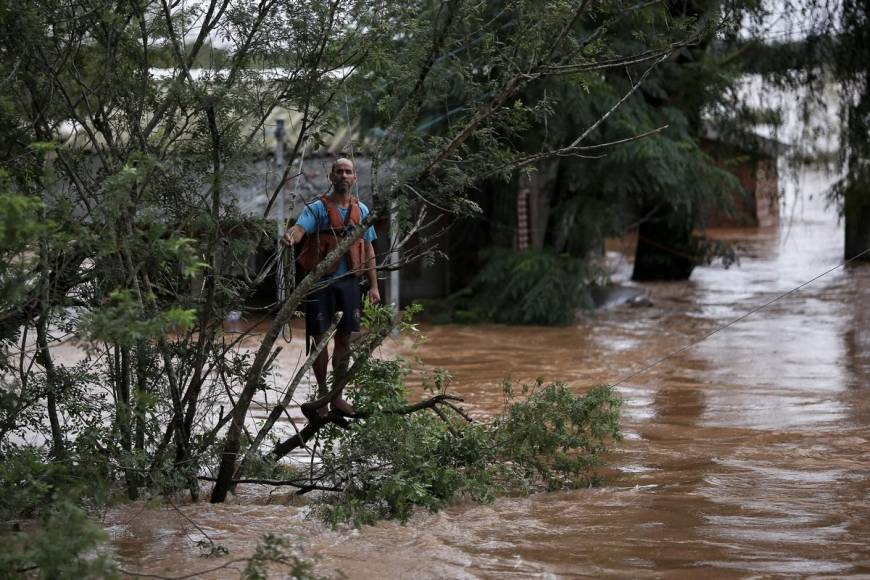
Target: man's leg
{"points": [[340, 356], [347, 299], [321, 364], [317, 306]]}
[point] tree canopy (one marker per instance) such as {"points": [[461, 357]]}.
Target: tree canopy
{"points": [[124, 127]]}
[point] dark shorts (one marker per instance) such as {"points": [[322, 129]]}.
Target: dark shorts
{"points": [[342, 295]]}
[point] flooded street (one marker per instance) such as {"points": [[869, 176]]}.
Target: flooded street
{"points": [[745, 455]]}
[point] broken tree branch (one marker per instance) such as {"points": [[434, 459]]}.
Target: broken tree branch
{"points": [[275, 414], [311, 429]]}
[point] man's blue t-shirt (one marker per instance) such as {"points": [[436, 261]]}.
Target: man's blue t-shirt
{"points": [[314, 215]]}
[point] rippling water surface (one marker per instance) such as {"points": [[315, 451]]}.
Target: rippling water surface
{"points": [[746, 455]]}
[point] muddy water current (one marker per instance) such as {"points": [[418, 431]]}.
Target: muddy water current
{"points": [[747, 455]]}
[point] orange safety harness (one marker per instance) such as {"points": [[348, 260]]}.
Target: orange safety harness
{"points": [[324, 239]]}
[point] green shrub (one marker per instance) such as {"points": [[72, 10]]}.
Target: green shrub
{"points": [[392, 463], [277, 550], [528, 287], [533, 286], [59, 540]]}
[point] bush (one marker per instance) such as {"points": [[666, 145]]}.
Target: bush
{"points": [[392, 463], [529, 287], [61, 540], [57, 539]]}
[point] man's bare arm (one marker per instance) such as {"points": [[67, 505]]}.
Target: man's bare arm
{"points": [[293, 235]]}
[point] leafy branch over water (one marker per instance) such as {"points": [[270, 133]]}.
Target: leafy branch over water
{"points": [[393, 463], [397, 457], [401, 456]]}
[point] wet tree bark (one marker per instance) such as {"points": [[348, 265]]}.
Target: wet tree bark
{"points": [[503, 213], [124, 415], [664, 247], [852, 64], [856, 212], [140, 405], [856, 199], [307, 433], [52, 379], [53, 382]]}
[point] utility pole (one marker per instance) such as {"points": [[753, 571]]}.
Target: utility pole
{"points": [[394, 254], [280, 215]]}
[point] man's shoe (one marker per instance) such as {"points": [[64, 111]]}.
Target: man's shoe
{"points": [[312, 412], [339, 420], [347, 411]]}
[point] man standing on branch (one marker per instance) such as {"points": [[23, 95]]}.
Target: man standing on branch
{"points": [[325, 222]]}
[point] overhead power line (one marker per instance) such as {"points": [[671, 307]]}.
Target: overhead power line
{"points": [[735, 321]]}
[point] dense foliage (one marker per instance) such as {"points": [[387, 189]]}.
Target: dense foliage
{"points": [[393, 462], [587, 189], [53, 503], [123, 148], [125, 135], [49, 495], [536, 286]]}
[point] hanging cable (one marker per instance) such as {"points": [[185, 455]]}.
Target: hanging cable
{"points": [[288, 258]]}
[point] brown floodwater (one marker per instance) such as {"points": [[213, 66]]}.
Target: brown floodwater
{"points": [[747, 455]]}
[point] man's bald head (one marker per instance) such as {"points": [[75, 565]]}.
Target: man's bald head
{"points": [[342, 176], [342, 161]]}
